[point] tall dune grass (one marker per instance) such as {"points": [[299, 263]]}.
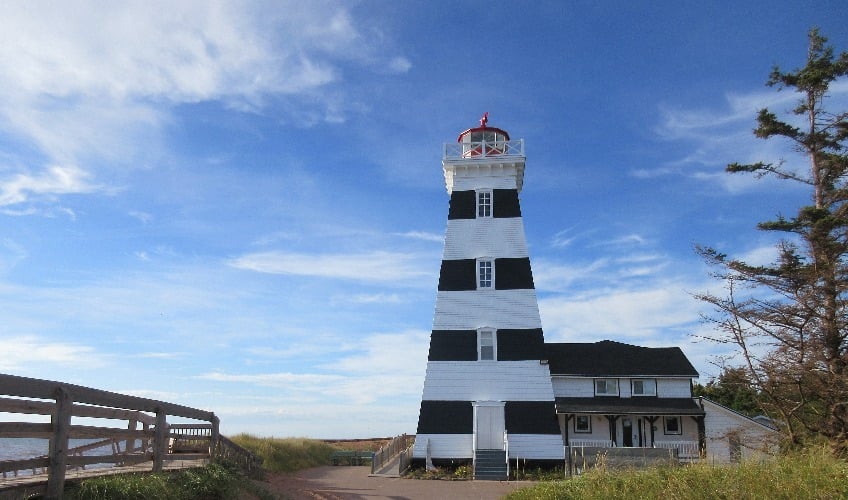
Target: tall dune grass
{"points": [[287, 454], [814, 473]]}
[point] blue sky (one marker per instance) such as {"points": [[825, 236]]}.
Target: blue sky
{"points": [[240, 206]]}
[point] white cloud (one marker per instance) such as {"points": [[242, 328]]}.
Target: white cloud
{"points": [[54, 180], [380, 267], [29, 350], [94, 85], [424, 236]]}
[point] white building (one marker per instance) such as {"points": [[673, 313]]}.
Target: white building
{"points": [[493, 388]]}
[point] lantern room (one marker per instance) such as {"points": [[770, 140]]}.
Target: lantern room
{"points": [[483, 140]]}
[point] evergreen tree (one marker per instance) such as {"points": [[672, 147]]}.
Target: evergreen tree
{"points": [[788, 319], [733, 389]]}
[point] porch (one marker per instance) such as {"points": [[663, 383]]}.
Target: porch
{"points": [[611, 425]]}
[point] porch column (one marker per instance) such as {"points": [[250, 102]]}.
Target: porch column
{"points": [[652, 420], [612, 419], [565, 429], [702, 436]]}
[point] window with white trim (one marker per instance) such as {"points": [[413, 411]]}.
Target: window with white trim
{"points": [[485, 274], [672, 425], [606, 387], [643, 387], [484, 204], [582, 423], [487, 344]]}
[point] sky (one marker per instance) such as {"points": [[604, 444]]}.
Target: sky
{"points": [[240, 206]]}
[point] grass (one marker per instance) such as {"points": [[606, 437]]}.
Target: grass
{"points": [[293, 454], [213, 481], [813, 474]]}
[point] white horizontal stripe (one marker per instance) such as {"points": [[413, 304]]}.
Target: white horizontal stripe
{"points": [[487, 381], [443, 445], [489, 237], [536, 446], [483, 177], [469, 310]]}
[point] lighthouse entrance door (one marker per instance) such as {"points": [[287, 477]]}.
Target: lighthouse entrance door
{"points": [[489, 425]]}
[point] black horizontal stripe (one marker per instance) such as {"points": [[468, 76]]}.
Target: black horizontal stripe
{"points": [[513, 274], [510, 274], [520, 344], [531, 417], [446, 417], [463, 205], [505, 204], [453, 345], [457, 275]]}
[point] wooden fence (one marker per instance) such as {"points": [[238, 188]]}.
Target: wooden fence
{"points": [[144, 435]]}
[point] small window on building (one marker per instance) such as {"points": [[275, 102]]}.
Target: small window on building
{"points": [[606, 387], [582, 423], [484, 203], [485, 274], [486, 345], [644, 387], [672, 425]]}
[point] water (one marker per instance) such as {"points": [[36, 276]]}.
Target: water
{"points": [[23, 448]]}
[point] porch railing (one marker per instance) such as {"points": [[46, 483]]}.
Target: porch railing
{"points": [[590, 443], [686, 450]]}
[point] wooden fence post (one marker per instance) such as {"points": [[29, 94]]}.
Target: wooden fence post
{"points": [[213, 439], [160, 440], [58, 460], [129, 446]]}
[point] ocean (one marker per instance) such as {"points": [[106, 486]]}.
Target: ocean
{"points": [[21, 448]]}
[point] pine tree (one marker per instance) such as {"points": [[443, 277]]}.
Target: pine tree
{"points": [[789, 319]]}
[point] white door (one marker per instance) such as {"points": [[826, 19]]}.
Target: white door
{"points": [[490, 426]]}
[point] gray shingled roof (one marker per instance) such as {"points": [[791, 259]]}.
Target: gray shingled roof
{"points": [[615, 359]]}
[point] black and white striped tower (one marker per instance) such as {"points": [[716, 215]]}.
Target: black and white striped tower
{"points": [[487, 386]]}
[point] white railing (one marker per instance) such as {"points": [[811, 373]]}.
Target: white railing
{"points": [[685, 449], [590, 443], [506, 450], [483, 149]]}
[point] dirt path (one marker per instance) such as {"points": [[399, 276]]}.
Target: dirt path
{"points": [[350, 483]]}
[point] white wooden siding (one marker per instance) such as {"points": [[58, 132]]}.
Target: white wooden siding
{"points": [[487, 381], [722, 423], [489, 237], [536, 446], [469, 310], [569, 387], [600, 429], [443, 446], [483, 177], [674, 388]]}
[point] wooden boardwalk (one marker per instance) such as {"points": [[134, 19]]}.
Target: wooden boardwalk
{"points": [[136, 430], [13, 487]]}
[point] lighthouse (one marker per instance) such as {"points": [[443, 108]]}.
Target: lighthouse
{"points": [[488, 395]]}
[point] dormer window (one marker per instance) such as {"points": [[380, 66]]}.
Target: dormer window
{"points": [[606, 387], [485, 274], [643, 387], [484, 204]]}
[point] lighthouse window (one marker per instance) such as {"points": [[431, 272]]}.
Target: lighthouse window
{"points": [[486, 345], [484, 204], [485, 274]]}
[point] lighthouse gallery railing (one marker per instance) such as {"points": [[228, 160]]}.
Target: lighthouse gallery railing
{"points": [[483, 149]]}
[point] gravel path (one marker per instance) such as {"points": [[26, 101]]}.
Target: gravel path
{"points": [[349, 483]]}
